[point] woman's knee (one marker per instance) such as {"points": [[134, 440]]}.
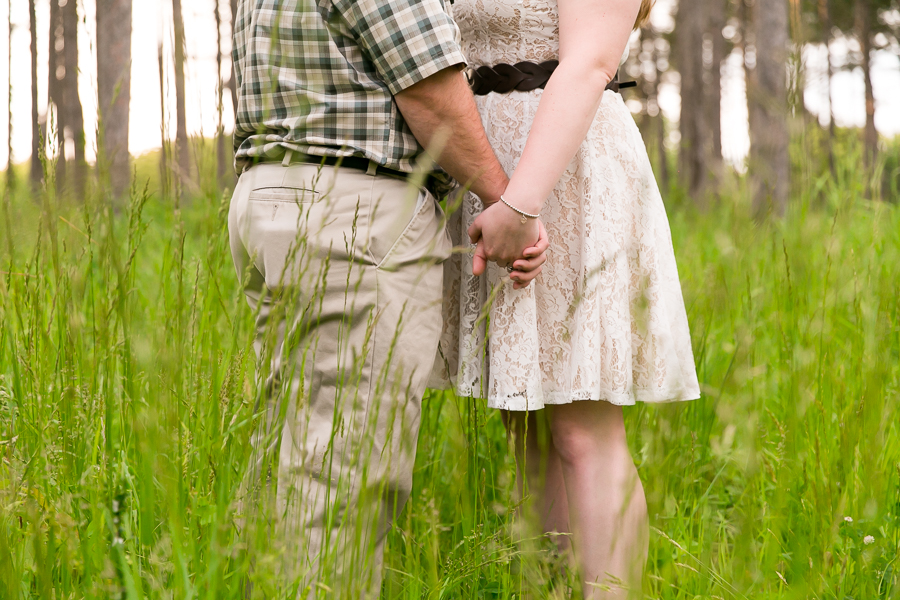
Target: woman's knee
{"points": [[587, 430]]}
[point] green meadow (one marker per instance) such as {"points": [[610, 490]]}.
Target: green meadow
{"points": [[127, 392]]}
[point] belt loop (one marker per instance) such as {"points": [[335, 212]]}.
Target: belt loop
{"points": [[373, 168], [287, 158]]}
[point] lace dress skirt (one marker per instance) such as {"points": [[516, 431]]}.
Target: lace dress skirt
{"points": [[605, 320]]}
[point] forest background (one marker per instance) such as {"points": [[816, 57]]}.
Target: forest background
{"points": [[127, 376]]}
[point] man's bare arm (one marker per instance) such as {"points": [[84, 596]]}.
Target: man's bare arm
{"points": [[441, 112]]}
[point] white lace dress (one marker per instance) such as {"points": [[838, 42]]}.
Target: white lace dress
{"points": [[605, 320]]}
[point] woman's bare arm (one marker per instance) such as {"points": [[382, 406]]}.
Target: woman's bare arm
{"points": [[593, 35]]}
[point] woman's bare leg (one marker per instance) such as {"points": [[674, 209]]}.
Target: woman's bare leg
{"points": [[607, 508], [539, 472]]}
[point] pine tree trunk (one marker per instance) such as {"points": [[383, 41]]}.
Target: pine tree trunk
{"points": [[114, 89], [232, 81], [10, 161], [864, 31], [657, 124], [220, 90], [715, 23], [689, 54], [768, 108], [700, 50], [825, 22], [71, 101], [182, 155], [163, 147], [36, 134], [55, 75]]}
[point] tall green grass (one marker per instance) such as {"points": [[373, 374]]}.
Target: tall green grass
{"points": [[127, 389]]}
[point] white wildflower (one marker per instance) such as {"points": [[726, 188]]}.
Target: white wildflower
{"points": [[869, 539], [848, 519]]}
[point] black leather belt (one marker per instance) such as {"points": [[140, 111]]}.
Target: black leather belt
{"points": [[522, 77], [351, 162]]}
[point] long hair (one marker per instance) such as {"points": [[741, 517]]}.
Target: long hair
{"points": [[644, 13]]}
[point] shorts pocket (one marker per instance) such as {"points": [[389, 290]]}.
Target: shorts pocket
{"points": [[283, 194], [424, 239]]}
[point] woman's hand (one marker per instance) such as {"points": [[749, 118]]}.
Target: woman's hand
{"points": [[527, 268], [494, 236], [500, 236]]}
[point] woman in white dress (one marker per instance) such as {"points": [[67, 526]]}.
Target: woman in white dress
{"points": [[604, 325]]}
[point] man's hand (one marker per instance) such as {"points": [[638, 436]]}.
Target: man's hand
{"points": [[501, 237]]}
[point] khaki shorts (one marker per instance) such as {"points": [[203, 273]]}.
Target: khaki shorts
{"points": [[342, 271]]}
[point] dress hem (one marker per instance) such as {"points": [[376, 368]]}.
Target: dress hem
{"points": [[555, 399]]}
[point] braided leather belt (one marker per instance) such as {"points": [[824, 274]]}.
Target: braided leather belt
{"points": [[522, 77]]}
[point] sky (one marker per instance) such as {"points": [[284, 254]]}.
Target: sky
{"points": [[152, 26]]}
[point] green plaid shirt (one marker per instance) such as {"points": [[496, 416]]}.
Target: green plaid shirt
{"points": [[318, 76]]}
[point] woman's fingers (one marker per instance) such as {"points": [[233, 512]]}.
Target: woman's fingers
{"points": [[529, 264], [541, 245], [526, 269], [523, 279]]}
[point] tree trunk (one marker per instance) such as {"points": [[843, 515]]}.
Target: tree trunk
{"points": [[71, 109], [825, 22], [700, 50], [232, 81], [656, 127], [768, 108], [163, 147], [55, 74], [220, 90], [114, 89], [864, 31], [10, 161], [181, 140], [689, 52], [36, 133], [715, 23]]}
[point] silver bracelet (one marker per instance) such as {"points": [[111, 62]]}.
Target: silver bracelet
{"points": [[524, 214]]}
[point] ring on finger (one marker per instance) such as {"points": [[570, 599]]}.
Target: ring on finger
{"points": [[509, 268]]}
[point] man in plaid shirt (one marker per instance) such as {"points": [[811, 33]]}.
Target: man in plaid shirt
{"points": [[338, 245]]}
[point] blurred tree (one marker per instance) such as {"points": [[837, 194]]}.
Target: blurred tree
{"points": [[863, 17], [699, 52], [37, 170], [220, 97], [653, 62], [74, 120], [54, 99], [63, 95], [114, 87], [823, 10], [10, 171], [164, 142], [714, 50], [232, 80], [767, 101], [182, 156], [864, 20]]}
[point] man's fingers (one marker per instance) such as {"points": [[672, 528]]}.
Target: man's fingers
{"points": [[475, 231], [479, 261]]}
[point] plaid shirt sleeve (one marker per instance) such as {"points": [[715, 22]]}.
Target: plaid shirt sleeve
{"points": [[406, 40]]}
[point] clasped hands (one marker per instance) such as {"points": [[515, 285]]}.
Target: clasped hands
{"points": [[500, 236]]}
